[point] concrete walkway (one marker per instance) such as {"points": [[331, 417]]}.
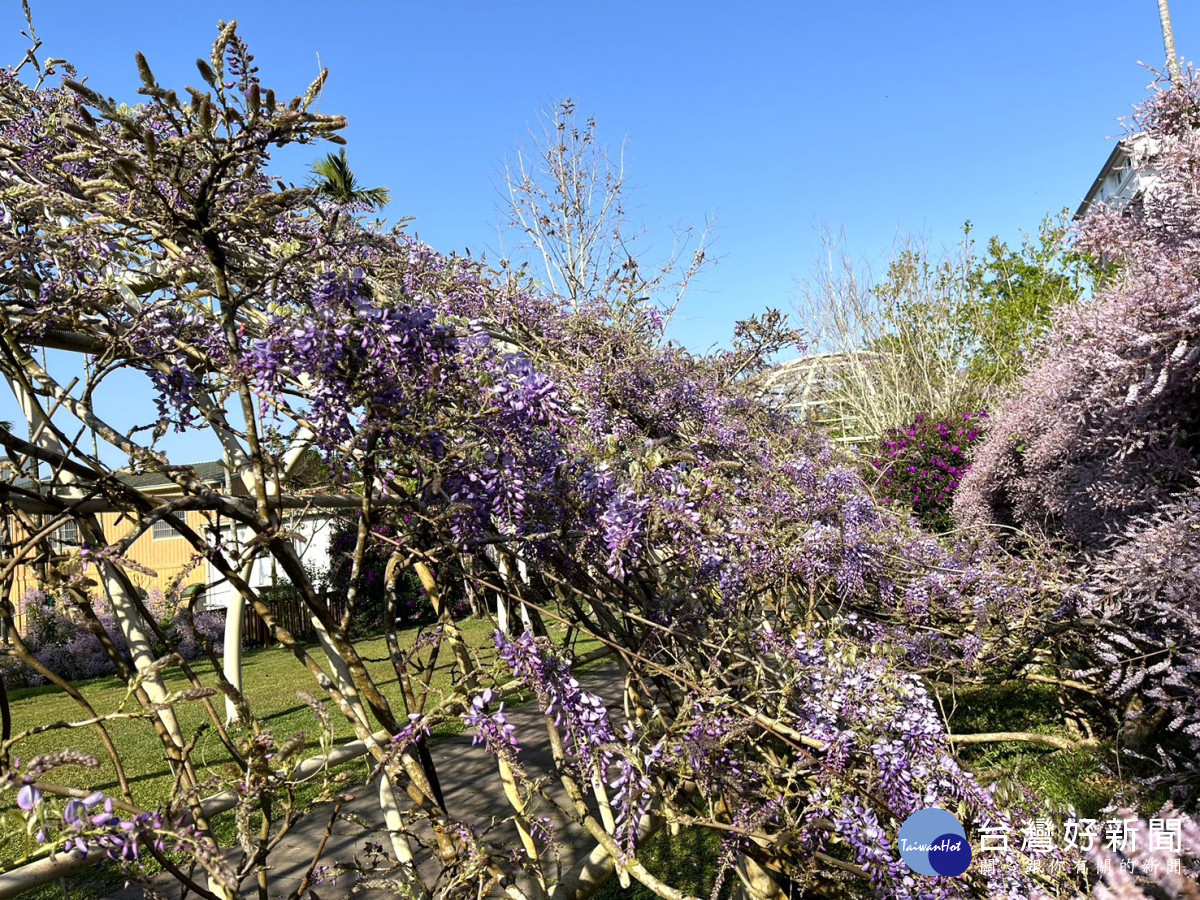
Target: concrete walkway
{"points": [[473, 795]]}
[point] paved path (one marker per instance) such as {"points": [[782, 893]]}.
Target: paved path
{"points": [[473, 795]]}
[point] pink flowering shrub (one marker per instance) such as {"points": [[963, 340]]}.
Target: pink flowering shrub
{"points": [[1144, 596], [1107, 427], [921, 466], [1097, 454]]}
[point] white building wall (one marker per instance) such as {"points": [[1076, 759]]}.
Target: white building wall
{"points": [[312, 536]]}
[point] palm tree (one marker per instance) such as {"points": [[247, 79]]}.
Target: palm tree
{"points": [[1164, 16], [334, 181]]}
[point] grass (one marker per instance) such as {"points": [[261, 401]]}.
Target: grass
{"points": [[688, 861], [1085, 780], [272, 680]]}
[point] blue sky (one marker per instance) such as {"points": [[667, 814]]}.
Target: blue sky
{"points": [[779, 119]]}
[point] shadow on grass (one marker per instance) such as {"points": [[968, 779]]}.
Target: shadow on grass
{"points": [[689, 861], [1086, 780]]}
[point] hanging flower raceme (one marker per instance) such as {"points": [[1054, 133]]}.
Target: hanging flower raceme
{"points": [[94, 825], [492, 729], [579, 714]]}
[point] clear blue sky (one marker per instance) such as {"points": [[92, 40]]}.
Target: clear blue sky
{"points": [[778, 118]]}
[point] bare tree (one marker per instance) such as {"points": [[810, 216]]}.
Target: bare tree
{"points": [[568, 197]]}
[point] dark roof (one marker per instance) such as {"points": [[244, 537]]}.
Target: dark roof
{"points": [[211, 472]]}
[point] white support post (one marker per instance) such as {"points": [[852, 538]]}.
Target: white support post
{"points": [[123, 606]]}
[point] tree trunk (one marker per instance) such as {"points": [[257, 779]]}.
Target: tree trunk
{"points": [[1164, 16]]}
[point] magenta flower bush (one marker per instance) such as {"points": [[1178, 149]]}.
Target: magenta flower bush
{"points": [[920, 466]]}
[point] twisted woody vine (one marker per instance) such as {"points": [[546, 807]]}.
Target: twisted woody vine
{"points": [[785, 643]]}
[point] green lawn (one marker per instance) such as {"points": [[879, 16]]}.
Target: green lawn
{"points": [[1084, 779], [272, 680]]}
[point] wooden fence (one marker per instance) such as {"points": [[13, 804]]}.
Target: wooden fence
{"points": [[289, 614]]}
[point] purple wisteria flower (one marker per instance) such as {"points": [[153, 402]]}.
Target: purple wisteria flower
{"points": [[579, 714], [492, 729]]}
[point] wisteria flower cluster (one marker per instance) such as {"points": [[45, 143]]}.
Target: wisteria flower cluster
{"points": [[580, 714], [492, 729], [93, 825], [778, 628]]}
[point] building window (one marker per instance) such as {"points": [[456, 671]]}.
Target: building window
{"points": [[65, 537], [163, 531]]}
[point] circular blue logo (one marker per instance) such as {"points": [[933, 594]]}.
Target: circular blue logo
{"points": [[933, 842]]}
